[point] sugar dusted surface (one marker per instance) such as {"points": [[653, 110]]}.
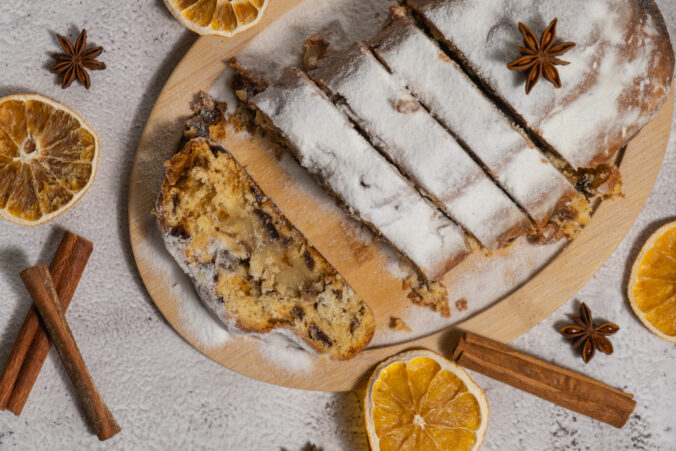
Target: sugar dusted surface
{"points": [[202, 326], [482, 282], [342, 22], [419, 145], [167, 395], [601, 85], [445, 89], [282, 352], [328, 146]]}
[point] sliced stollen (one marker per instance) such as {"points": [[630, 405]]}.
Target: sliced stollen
{"points": [[250, 266], [460, 105], [408, 135], [619, 75], [327, 145]]}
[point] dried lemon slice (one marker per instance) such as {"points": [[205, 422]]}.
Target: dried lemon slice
{"points": [[217, 17], [652, 286], [420, 401], [48, 157]]}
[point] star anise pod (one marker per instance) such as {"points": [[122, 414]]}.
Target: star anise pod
{"points": [[591, 338], [540, 56], [77, 59]]}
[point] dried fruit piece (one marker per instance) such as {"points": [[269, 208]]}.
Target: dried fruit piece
{"points": [[217, 17], [316, 48], [652, 287], [48, 158], [420, 401]]}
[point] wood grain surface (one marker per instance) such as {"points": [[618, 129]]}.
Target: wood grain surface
{"points": [[362, 262]]}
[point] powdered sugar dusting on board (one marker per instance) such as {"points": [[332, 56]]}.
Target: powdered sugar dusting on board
{"points": [[200, 323], [282, 353], [197, 321], [488, 280]]}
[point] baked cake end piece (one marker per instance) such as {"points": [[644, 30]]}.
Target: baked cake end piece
{"points": [[404, 131], [457, 102], [249, 265], [619, 75], [368, 186]]}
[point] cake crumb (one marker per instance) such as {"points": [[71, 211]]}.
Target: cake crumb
{"points": [[399, 325], [428, 294], [315, 50], [245, 84], [406, 106], [461, 304]]}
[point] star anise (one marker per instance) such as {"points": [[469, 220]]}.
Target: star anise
{"points": [[591, 338], [77, 59], [540, 57]]}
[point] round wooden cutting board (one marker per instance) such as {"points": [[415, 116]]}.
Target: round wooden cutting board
{"points": [[363, 265]]}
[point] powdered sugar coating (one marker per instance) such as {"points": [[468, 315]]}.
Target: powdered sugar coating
{"points": [[420, 146], [328, 146], [458, 103], [619, 76]]}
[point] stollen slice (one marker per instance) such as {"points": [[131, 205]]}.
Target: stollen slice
{"points": [[250, 266]]}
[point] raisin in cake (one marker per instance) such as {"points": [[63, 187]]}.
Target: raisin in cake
{"points": [[619, 75], [250, 266]]}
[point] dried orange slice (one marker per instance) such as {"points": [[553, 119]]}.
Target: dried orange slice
{"points": [[420, 401], [652, 286], [217, 17], [48, 157]]}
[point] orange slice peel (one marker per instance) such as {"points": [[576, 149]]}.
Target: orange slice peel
{"points": [[652, 285], [418, 400], [48, 158], [224, 18]]}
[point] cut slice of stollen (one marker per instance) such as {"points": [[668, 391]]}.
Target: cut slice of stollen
{"points": [[364, 182], [250, 266], [458, 103], [422, 148]]}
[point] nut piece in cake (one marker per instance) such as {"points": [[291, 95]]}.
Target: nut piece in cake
{"points": [[399, 325], [316, 48], [250, 266]]}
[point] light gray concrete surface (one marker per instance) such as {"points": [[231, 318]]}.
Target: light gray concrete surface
{"points": [[165, 394]]}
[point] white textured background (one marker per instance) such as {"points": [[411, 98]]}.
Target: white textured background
{"points": [[165, 394]]}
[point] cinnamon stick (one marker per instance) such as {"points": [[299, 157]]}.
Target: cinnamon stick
{"points": [[32, 344], [40, 285], [553, 383]]}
